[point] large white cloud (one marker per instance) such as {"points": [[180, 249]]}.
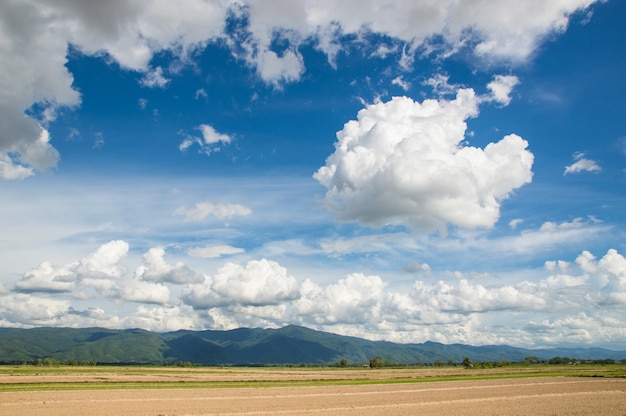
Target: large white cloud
{"points": [[36, 35], [355, 299], [404, 162], [258, 283]]}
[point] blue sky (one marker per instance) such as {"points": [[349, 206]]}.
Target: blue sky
{"points": [[391, 170]]}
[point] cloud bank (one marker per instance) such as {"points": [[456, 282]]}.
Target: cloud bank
{"points": [[588, 293]]}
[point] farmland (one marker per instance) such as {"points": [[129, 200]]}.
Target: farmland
{"points": [[168, 391]]}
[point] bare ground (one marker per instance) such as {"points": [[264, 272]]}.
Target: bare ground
{"points": [[525, 396]]}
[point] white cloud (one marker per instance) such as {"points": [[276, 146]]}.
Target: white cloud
{"points": [[582, 164], [551, 265], [363, 244], [19, 158], [211, 252], [154, 78], [10, 170], [202, 210], [100, 271], [402, 162], [104, 262], [501, 88], [211, 136], [162, 318], [401, 83], [47, 278], [24, 309], [507, 30], [440, 85], [276, 69], [515, 222], [209, 142], [258, 283], [144, 292], [549, 236], [580, 328], [357, 298], [154, 268], [201, 93]]}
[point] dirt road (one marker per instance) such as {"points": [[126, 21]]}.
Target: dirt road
{"points": [[542, 396]]}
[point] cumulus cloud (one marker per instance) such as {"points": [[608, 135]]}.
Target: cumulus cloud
{"points": [[357, 298], [144, 292], [155, 269], [21, 308], [403, 162], [210, 141], [466, 298], [101, 272], [582, 164], [202, 210], [104, 262], [259, 282], [47, 278]]}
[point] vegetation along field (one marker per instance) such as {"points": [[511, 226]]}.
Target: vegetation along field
{"points": [[166, 391]]}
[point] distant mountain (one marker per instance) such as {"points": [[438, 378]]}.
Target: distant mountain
{"points": [[289, 345]]}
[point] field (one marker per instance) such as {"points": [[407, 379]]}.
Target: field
{"points": [[166, 391]]}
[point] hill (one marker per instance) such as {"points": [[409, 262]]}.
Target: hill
{"points": [[289, 345]]}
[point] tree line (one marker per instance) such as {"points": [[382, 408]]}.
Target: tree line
{"points": [[375, 362]]}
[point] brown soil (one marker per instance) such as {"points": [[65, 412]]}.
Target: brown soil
{"points": [[536, 396]]}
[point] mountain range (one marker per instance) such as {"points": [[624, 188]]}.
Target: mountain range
{"points": [[244, 346]]}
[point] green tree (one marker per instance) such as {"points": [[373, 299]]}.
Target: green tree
{"points": [[342, 363], [376, 362], [467, 363]]}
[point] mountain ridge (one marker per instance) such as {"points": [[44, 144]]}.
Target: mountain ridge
{"points": [[291, 344]]}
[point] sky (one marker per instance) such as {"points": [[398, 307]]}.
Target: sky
{"points": [[411, 171]]}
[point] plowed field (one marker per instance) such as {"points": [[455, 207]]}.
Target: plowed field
{"points": [[508, 396]]}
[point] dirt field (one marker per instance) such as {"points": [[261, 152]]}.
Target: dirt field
{"points": [[521, 396]]}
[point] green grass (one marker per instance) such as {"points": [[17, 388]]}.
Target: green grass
{"points": [[348, 376]]}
